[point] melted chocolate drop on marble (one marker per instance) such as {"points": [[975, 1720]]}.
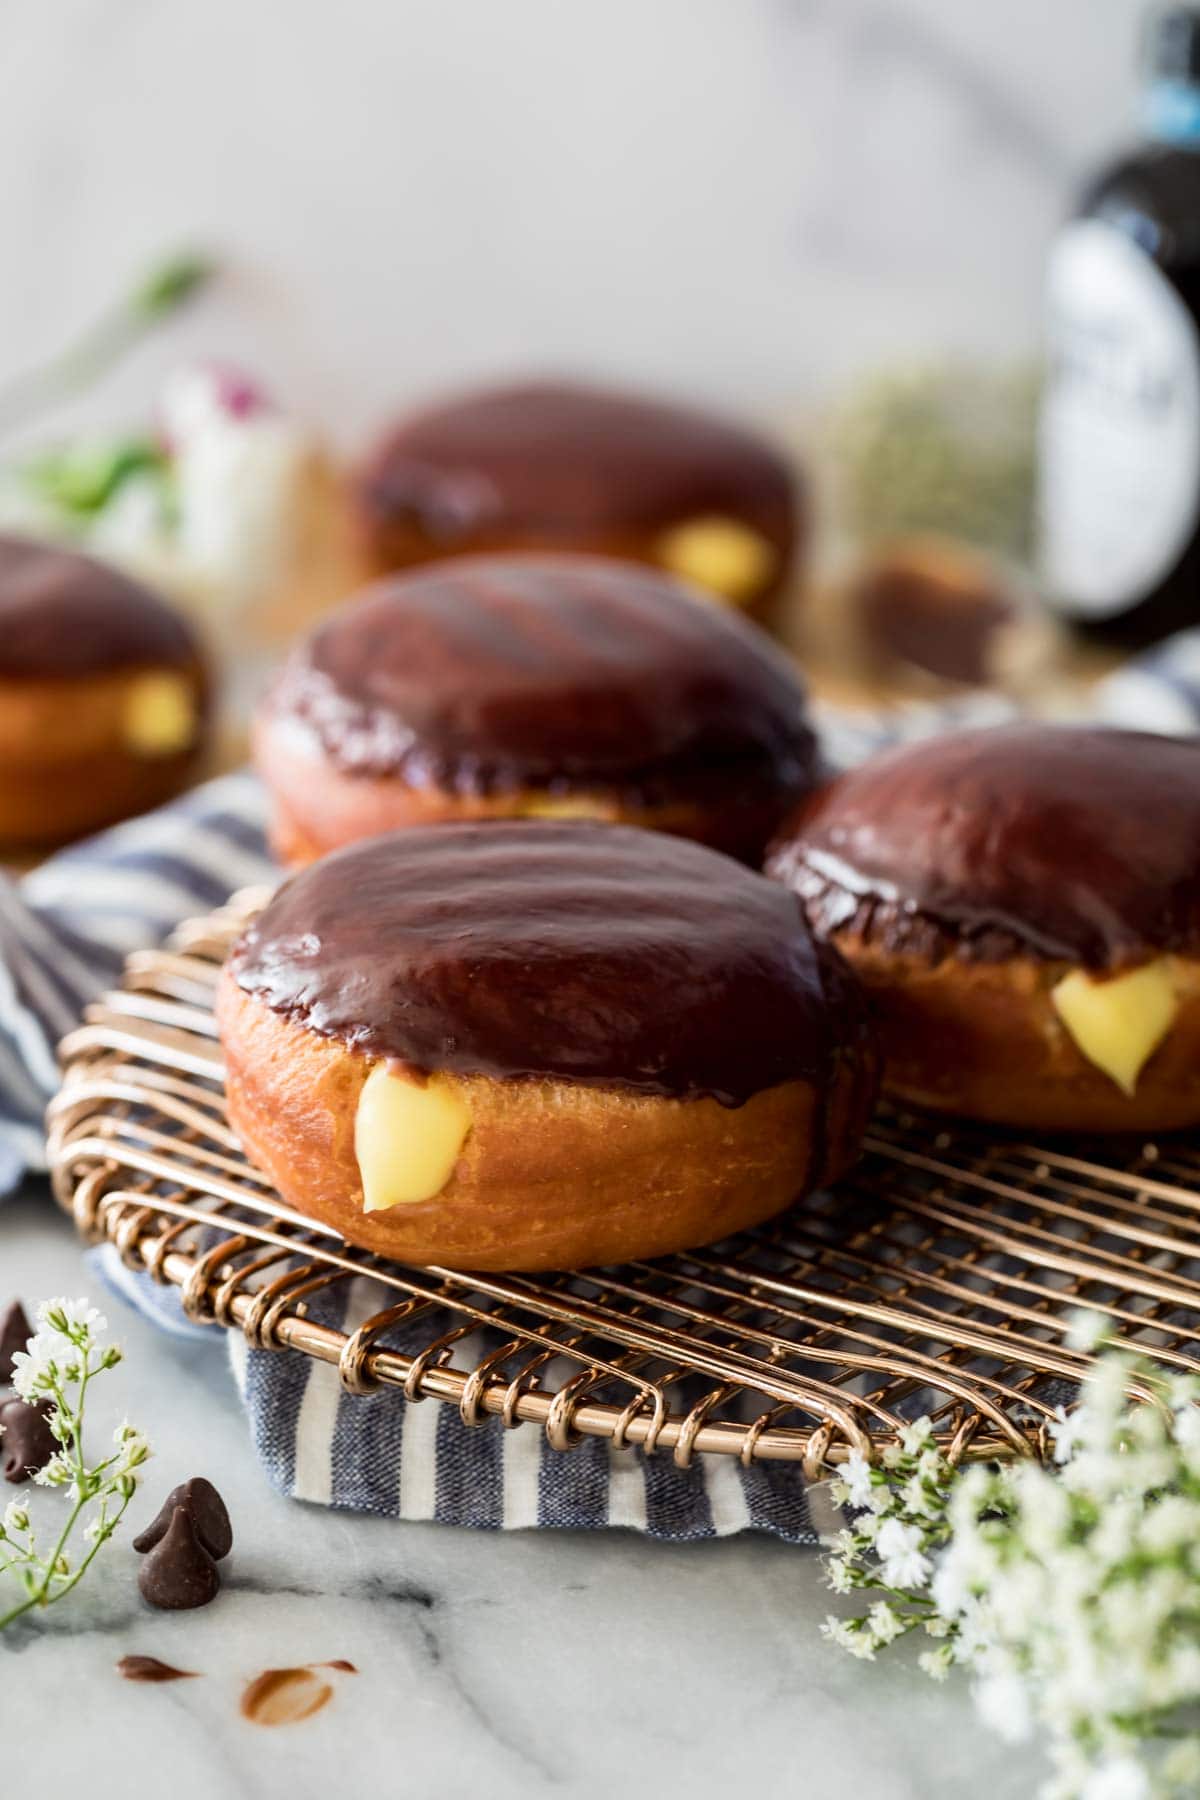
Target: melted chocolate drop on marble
{"points": [[285, 1696], [62, 614], [149, 1668], [495, 673], [1069, 843], [590, 953]]}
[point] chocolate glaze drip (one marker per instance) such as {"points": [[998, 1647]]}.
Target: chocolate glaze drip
{"points": [[551, 459], [63, 614], [592, 953], [1061, 842], [540, 671]]}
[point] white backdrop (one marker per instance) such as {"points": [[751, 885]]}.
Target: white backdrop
{"points": [[748, 198]]}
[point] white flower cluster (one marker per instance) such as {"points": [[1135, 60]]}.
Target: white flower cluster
{"points": [[209, 506], [55, 1369], [1072, 1595]]}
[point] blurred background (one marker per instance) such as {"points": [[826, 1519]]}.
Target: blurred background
{"points": [[834, 220], [749, 200]]}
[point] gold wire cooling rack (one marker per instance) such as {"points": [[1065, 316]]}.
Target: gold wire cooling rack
{"points": [[940, 1277]]}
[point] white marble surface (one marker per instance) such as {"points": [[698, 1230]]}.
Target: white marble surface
{"points": [[501, 1666], [751, 198]]}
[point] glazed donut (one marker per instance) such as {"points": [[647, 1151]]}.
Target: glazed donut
{"points": [[540, 1046], [1023, 906], [556, 466], [102, 695], [534, 686]]}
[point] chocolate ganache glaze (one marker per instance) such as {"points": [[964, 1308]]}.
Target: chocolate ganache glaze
{"points": [[598, 954], [62, 614], [540, 671], [548, 458], [1061, 841]]}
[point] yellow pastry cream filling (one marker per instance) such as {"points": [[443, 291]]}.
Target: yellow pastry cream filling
{"points": [[408, 1134], [568, 806], [719, 554], [159, 714], [1119, 1022]]}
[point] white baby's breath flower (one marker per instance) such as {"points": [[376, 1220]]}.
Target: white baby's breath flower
{"points": [[55, 1370], [1172, 1523], [76, 1320], [56, 1473], [1066, 1431], [1181, 1765], [847, 1634], [1181, 1672], [1071, 1593], [36, 1368], [856, 1476], [1087, 1329], [133, 1447], [916, 1497], [1102, 1403], [975, 1641], [1187, 1428], [900, 1550], [885, 1623], [1119, 1779], [1002, 1702], [914, 1437], [838, 1575]]}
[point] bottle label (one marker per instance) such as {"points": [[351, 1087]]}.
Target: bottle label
{"points": [[1119, 450]]}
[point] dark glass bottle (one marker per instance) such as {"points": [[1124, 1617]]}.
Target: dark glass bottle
{"points": [[1119, 450]]}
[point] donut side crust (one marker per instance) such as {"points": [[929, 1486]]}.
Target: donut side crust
{"points": [[982, 1039], [553, 1174], [65, 767], [316, 808]]}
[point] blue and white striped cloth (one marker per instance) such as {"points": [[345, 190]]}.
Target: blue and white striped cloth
{"points": [[64, 932]]}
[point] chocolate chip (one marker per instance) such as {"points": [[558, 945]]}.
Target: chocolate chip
{"points": [[26, 1440], [178, 1572], [15, 1333], [206, 1510]]}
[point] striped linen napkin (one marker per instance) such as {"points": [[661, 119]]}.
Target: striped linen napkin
{"points": [[64, 932]]}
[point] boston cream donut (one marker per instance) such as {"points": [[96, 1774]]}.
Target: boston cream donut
{"points": [[102, 694], [556, 466], [534, 686], [1023, 905], [540, 1046]]}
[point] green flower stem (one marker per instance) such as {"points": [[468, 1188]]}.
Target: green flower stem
{"points": [[81, 1571], [41, 1596], [103, 343]]}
